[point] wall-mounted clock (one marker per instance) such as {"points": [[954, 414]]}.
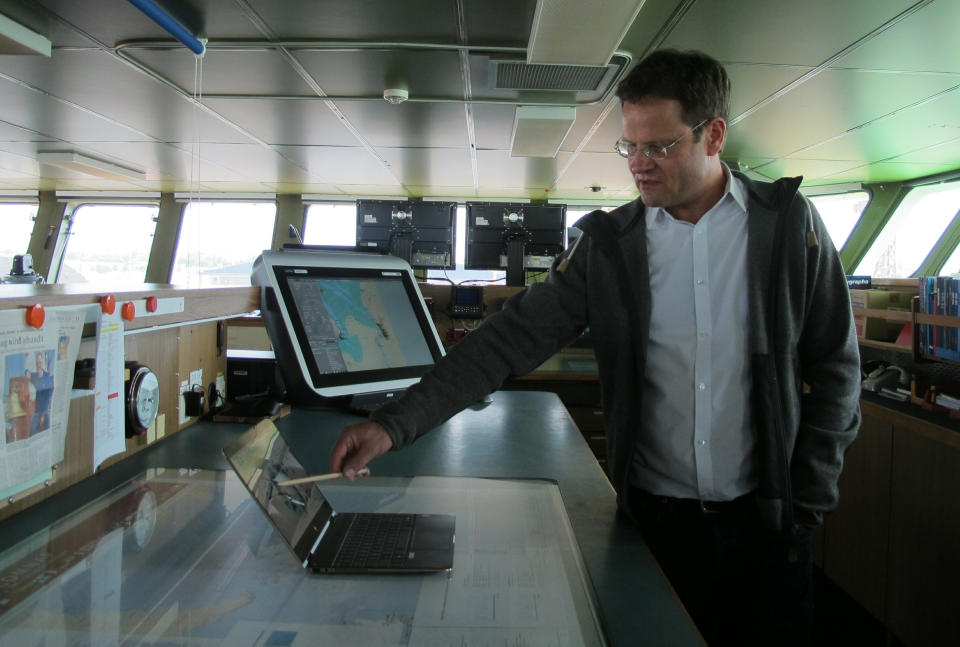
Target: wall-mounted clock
{"points": [[143, 399]]}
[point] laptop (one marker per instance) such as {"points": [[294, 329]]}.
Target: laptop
{"points": [[323, 539]]}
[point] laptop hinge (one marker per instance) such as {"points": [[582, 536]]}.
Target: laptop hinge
{"points": [[323, 531]]}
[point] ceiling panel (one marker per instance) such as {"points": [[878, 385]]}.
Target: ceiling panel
{"points": [[293, 123], [796, 33], [493, 126], [368, 72], [425, 167], [408, 125], [17, 166], [499, 22], [225, 72], [606, 135], [110, 21], [424, 20], [11, 133], [810, 170], [133, 106], [899, 49], [906, 131], [339, 165], [827, 105], [752, 83], [57, 120], [246, 161], [606, 170], [946, 153], [891, 172], [528, 176]]}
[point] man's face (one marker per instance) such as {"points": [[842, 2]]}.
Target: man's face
{"points": [[683, 176]]}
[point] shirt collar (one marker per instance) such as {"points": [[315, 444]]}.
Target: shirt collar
{"points": [[734, 188]]}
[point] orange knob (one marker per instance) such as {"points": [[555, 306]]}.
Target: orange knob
{"points": [[108, 304], [128, 311], [35, 316]]}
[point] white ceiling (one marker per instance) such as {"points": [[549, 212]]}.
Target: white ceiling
{"points": [[851, 91]]}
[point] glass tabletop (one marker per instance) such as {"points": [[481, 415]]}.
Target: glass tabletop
{"points": [[184, 557]]}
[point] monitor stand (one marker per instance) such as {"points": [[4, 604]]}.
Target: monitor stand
{"points": [[515, 275], [367, 402]]}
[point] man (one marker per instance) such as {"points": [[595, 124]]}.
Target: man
{"points": [[42, 381], [728, 360]]}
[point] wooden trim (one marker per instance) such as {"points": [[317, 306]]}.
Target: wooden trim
{"points": [[203, 303], [925, 428]]}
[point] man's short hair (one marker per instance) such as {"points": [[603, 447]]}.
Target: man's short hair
{"points": [[697, 81]]}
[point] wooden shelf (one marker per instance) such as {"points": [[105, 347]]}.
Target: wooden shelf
{"points": [[885, 345]]}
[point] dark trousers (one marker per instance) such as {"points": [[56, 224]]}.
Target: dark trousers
{"points": [[741, 584]]}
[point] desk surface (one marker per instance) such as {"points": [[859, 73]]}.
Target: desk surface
{"points": [[525, 435]]}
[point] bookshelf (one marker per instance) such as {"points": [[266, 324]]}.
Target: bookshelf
{"points": [[914, 317]]}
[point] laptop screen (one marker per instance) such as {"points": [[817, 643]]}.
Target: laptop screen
{"points": [[261, 458]]}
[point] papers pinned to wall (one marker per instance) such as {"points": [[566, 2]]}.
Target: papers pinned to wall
{"points": [[36, 371]]}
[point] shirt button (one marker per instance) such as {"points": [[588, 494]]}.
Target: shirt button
{"points": [[704, 335], [701, 442], [701, 386], [699, 281]]}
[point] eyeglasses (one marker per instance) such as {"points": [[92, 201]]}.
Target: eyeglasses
{"points": [[627, 149]]}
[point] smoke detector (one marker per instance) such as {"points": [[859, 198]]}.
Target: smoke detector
{"points": [[395, 95]]}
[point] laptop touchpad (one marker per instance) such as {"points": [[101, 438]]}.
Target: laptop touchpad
{"points": [[433, 531]]}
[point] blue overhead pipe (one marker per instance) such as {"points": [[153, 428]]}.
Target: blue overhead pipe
{"points": [[162, 18]]}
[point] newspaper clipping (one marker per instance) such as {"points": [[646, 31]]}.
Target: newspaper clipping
{"points": [[37, 379]]}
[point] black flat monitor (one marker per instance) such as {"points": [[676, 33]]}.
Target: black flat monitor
{"points": [[514, 237], [348, 328], [421, 233]]}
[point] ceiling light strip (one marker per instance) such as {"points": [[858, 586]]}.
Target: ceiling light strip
{"points": [[830, 61]]}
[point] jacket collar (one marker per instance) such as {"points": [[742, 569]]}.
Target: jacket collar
{"points": [[763, 199]]}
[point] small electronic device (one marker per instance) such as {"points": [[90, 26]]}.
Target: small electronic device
{"points": [[466, 301]]}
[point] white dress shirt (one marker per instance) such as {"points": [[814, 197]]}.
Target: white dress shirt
{"points": [[696, 439]]}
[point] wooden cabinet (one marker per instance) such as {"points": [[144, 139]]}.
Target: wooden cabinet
{"points": [[855, 537], [923, 587], [892, 542]]}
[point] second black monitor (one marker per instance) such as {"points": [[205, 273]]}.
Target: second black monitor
{"points": [[514, 237], [421, 233]]}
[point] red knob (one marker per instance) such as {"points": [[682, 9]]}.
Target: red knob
{"points": [[108, 304], [128, 311], [151, 304], [35, 316]]}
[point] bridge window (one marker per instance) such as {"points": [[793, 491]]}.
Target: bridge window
{"points": [[840, 213], [912, 231], [331, 223], [16, 223], [220, 240], [108, 243]]}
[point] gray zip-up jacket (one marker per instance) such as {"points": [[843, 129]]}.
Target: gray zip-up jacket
{"points": [[804, 355]]}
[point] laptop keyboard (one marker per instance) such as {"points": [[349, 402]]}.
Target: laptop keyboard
{"points": [[376, 541]]}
